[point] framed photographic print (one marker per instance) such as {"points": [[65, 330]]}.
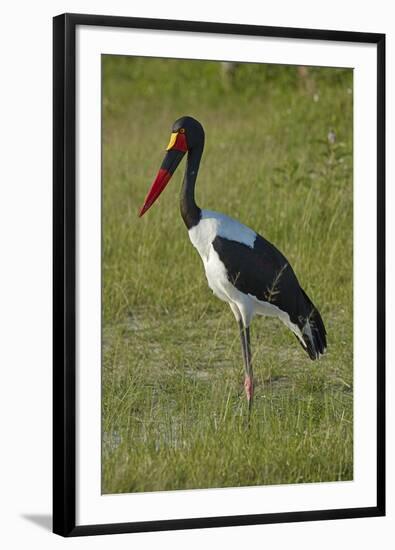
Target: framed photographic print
{"points": [[218, 274]]}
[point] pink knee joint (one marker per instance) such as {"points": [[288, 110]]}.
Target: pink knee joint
{"points": [[248, 386]]}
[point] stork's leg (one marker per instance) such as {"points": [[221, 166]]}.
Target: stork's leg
{"points": [[246, 350]]}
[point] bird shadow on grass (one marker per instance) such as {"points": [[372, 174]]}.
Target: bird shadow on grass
{"points": [[42, 520]]}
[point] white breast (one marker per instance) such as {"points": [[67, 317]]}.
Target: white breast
{"points": [[213, 224]]}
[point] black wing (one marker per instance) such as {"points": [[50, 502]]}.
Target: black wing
{"points": [[265, 273]]}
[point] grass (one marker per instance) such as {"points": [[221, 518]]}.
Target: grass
{"points": [[173, 410]]}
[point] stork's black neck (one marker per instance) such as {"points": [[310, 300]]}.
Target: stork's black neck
{"points": [[190, 212]]}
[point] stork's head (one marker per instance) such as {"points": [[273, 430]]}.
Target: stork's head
{"points": [[192, 130], [187, 134]]}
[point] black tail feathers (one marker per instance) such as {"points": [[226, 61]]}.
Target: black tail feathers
{"points": [[313, 329]]}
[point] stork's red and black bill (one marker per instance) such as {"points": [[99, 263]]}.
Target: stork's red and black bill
{"points": [[175, 151]]}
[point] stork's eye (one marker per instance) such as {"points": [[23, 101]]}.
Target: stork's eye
{"points": [[181, 130]]}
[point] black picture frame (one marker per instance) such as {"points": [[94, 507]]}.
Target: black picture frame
{"points": [[64, 273]]}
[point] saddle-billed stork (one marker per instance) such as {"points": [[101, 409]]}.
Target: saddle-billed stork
{"points": [[242, 268]]}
